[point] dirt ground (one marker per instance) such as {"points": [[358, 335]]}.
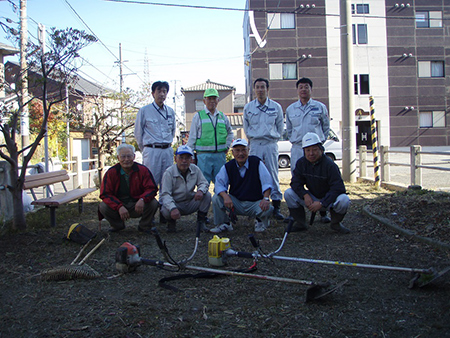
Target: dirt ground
{"points": [[372, 303]]}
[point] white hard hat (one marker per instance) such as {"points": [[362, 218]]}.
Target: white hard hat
{"points": [[310, 139]]}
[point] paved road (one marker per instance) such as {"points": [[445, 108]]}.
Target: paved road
{"points": [[431, 179]]}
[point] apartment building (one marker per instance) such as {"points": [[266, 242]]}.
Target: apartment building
{"points": [[400, 58]]}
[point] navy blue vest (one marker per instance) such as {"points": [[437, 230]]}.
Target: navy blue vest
{"points": [[247, 188]]}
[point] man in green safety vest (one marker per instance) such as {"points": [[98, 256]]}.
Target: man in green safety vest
{"points": [[210, 136]]}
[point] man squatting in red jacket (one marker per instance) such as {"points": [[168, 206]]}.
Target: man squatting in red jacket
{"points": [[128, 191]]}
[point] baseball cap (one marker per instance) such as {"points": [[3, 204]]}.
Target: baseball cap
{"points": [[211, 92], [239, 142], [184, 149]]}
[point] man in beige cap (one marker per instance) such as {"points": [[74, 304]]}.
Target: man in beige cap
{"points": [[210, 136], [184, 190]]}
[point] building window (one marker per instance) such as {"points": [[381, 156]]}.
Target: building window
{"points": [[431, 68], [428, 19], [198, 105], [360, 31], [361, 84], [283, 71], [432, 119], [360, 9], [280, 20]]}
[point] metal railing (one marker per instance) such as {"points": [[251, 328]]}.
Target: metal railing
{"points": [[416, 162], [75, 170]]}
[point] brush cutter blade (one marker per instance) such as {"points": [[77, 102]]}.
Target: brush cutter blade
{"points": [[422, 279], [317, 291]]}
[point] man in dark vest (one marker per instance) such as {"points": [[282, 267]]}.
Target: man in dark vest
{"points": [[242, 187], [210, 136]]}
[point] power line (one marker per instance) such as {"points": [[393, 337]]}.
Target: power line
{"points": [[177, 5], [300, 11], [87, 26]]}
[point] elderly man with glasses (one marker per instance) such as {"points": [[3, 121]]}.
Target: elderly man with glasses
{"points": [[128, 191]]}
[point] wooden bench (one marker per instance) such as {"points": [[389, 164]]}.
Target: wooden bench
{"points": [[53, 202]]}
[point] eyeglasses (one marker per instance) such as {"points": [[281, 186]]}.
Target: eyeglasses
{"points": [[126, 157]]}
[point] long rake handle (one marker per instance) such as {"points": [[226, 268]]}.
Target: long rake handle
{"points": [[358, 265], [81, 251], [92, 251]]}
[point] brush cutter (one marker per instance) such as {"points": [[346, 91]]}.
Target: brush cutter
{"points": [[128, 259], [421, 278]]}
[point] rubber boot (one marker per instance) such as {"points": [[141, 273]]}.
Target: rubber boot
{"points": [[324, 218], [336, 222], [171, 225], [201, 220], [276, 210], [298, 219]]}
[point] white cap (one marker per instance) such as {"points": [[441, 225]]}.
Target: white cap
{"points": [[310, 139], [184, 149], [239, 142]]}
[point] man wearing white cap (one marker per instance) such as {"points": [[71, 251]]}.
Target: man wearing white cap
{"points": [[263, 125], [316, 184], [184, 190], [242, 187], [210, 136]]}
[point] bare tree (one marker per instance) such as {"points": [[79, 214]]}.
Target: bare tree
{"points": [[54, 67]]}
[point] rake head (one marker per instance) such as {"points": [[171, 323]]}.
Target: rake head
{"points": [[68, 272]]}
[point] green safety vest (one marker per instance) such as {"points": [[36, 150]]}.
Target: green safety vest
{"points": [[213, 139]]}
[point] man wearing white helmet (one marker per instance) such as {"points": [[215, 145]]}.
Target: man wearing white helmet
{"points": [[303, 116], [316, 184]]}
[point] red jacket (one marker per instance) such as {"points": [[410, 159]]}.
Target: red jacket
{"points": [[142, 185]]}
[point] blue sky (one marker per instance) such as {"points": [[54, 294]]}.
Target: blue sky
{"points": [[185, 45]]}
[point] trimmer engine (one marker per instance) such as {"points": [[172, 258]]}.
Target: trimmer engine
{"points": [[216, 248], [127, 257]]}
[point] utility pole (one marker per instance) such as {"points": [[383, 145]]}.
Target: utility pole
{"points": [[347, 83], [68, 123], [41, 36], [121, 92], [24, 122]]}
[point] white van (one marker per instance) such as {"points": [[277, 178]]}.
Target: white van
{"points": [[333, 149]]}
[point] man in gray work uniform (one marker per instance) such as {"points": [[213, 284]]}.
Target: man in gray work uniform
{"points": [[154, 131], [303, 116], [263, 125]]}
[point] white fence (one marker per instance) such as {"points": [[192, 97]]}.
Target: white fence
{"points": [[429, 169]]}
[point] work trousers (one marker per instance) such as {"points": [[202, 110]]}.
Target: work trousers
{"points": [[210, 164], [245, 208], [296, 153], [157, 160], [294, 201], [113, 216], [267, 151], [189, 207]]}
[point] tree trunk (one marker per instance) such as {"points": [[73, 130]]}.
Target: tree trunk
{"points": [[16, 188], [19, 221]]}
